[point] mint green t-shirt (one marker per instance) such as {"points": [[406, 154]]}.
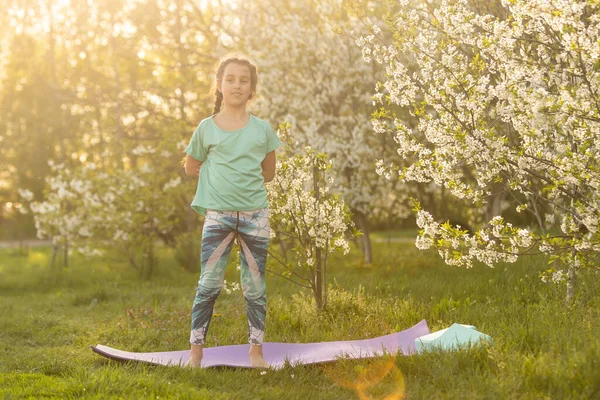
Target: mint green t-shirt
{"points": [[231, 173]]}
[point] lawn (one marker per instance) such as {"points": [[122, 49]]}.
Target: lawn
{"points": [[541, 348]]}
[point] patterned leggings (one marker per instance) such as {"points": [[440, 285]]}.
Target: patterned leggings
{"points": [[220, 229]]}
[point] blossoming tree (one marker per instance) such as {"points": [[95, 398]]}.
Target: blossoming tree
{"points": [[499, 104], [306, 217], [314, 78], [111, 94], [91, 210]]}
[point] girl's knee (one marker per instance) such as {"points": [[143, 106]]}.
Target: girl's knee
{"points": [[208, 292], [257, 298]]}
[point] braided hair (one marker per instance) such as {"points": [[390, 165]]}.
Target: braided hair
{"points": [[221, 71]]}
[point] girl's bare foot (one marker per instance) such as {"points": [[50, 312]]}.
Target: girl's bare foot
{"points": [[195, 356], [256, 356]]}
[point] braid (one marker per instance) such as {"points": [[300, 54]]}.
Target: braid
{"points": [[218, 100]]}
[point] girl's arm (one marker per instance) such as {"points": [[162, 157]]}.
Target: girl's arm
{"points": [[192, 166], [268, 166]]}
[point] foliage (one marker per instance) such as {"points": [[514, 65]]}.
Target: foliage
{"points": [[89, 82], [126, 210], [498, 104], [306, 217], [312, 75]]}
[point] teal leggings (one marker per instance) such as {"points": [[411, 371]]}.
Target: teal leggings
{"points": [[252, 229]]}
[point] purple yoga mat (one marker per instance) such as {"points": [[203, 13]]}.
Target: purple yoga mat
{"points": [[276, 354]]}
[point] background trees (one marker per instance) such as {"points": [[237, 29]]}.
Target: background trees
{"points": [[504, 105], [494, 103], [130, 79], [112, 88], [313, 76]]}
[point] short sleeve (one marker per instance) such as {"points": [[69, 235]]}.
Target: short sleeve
{"points": [[196, 147], [273, 141]]}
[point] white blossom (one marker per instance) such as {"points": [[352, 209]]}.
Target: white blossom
{"points": [[498, 102], [143, 149], [26, 194]]}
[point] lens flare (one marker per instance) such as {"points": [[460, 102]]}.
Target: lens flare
{"points": [[368, 377]]}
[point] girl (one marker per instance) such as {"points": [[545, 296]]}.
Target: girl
{"points": [[232, 153]]}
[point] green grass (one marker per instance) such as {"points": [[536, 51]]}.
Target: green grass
{"points": [[541, 348]]}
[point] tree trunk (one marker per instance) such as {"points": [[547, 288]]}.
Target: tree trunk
{"points": [[571, 284], [148, 256], [440, 204], [66, 254], [284, 250], [494, 205], [318, 264], [324, 294], [54, 253], [319, 281], [23, 250], [363, 225]]}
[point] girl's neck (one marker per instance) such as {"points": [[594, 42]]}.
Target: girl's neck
{"points": [[235, 113]]}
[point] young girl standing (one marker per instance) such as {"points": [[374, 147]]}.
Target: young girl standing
{"points": [[232, 153]]}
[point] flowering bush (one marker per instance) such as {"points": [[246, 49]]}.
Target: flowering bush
{"points": [[128, 210], [306, 217], [498, 105]]}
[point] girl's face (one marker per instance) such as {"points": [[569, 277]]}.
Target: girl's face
{"points": [[236, 85]]}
